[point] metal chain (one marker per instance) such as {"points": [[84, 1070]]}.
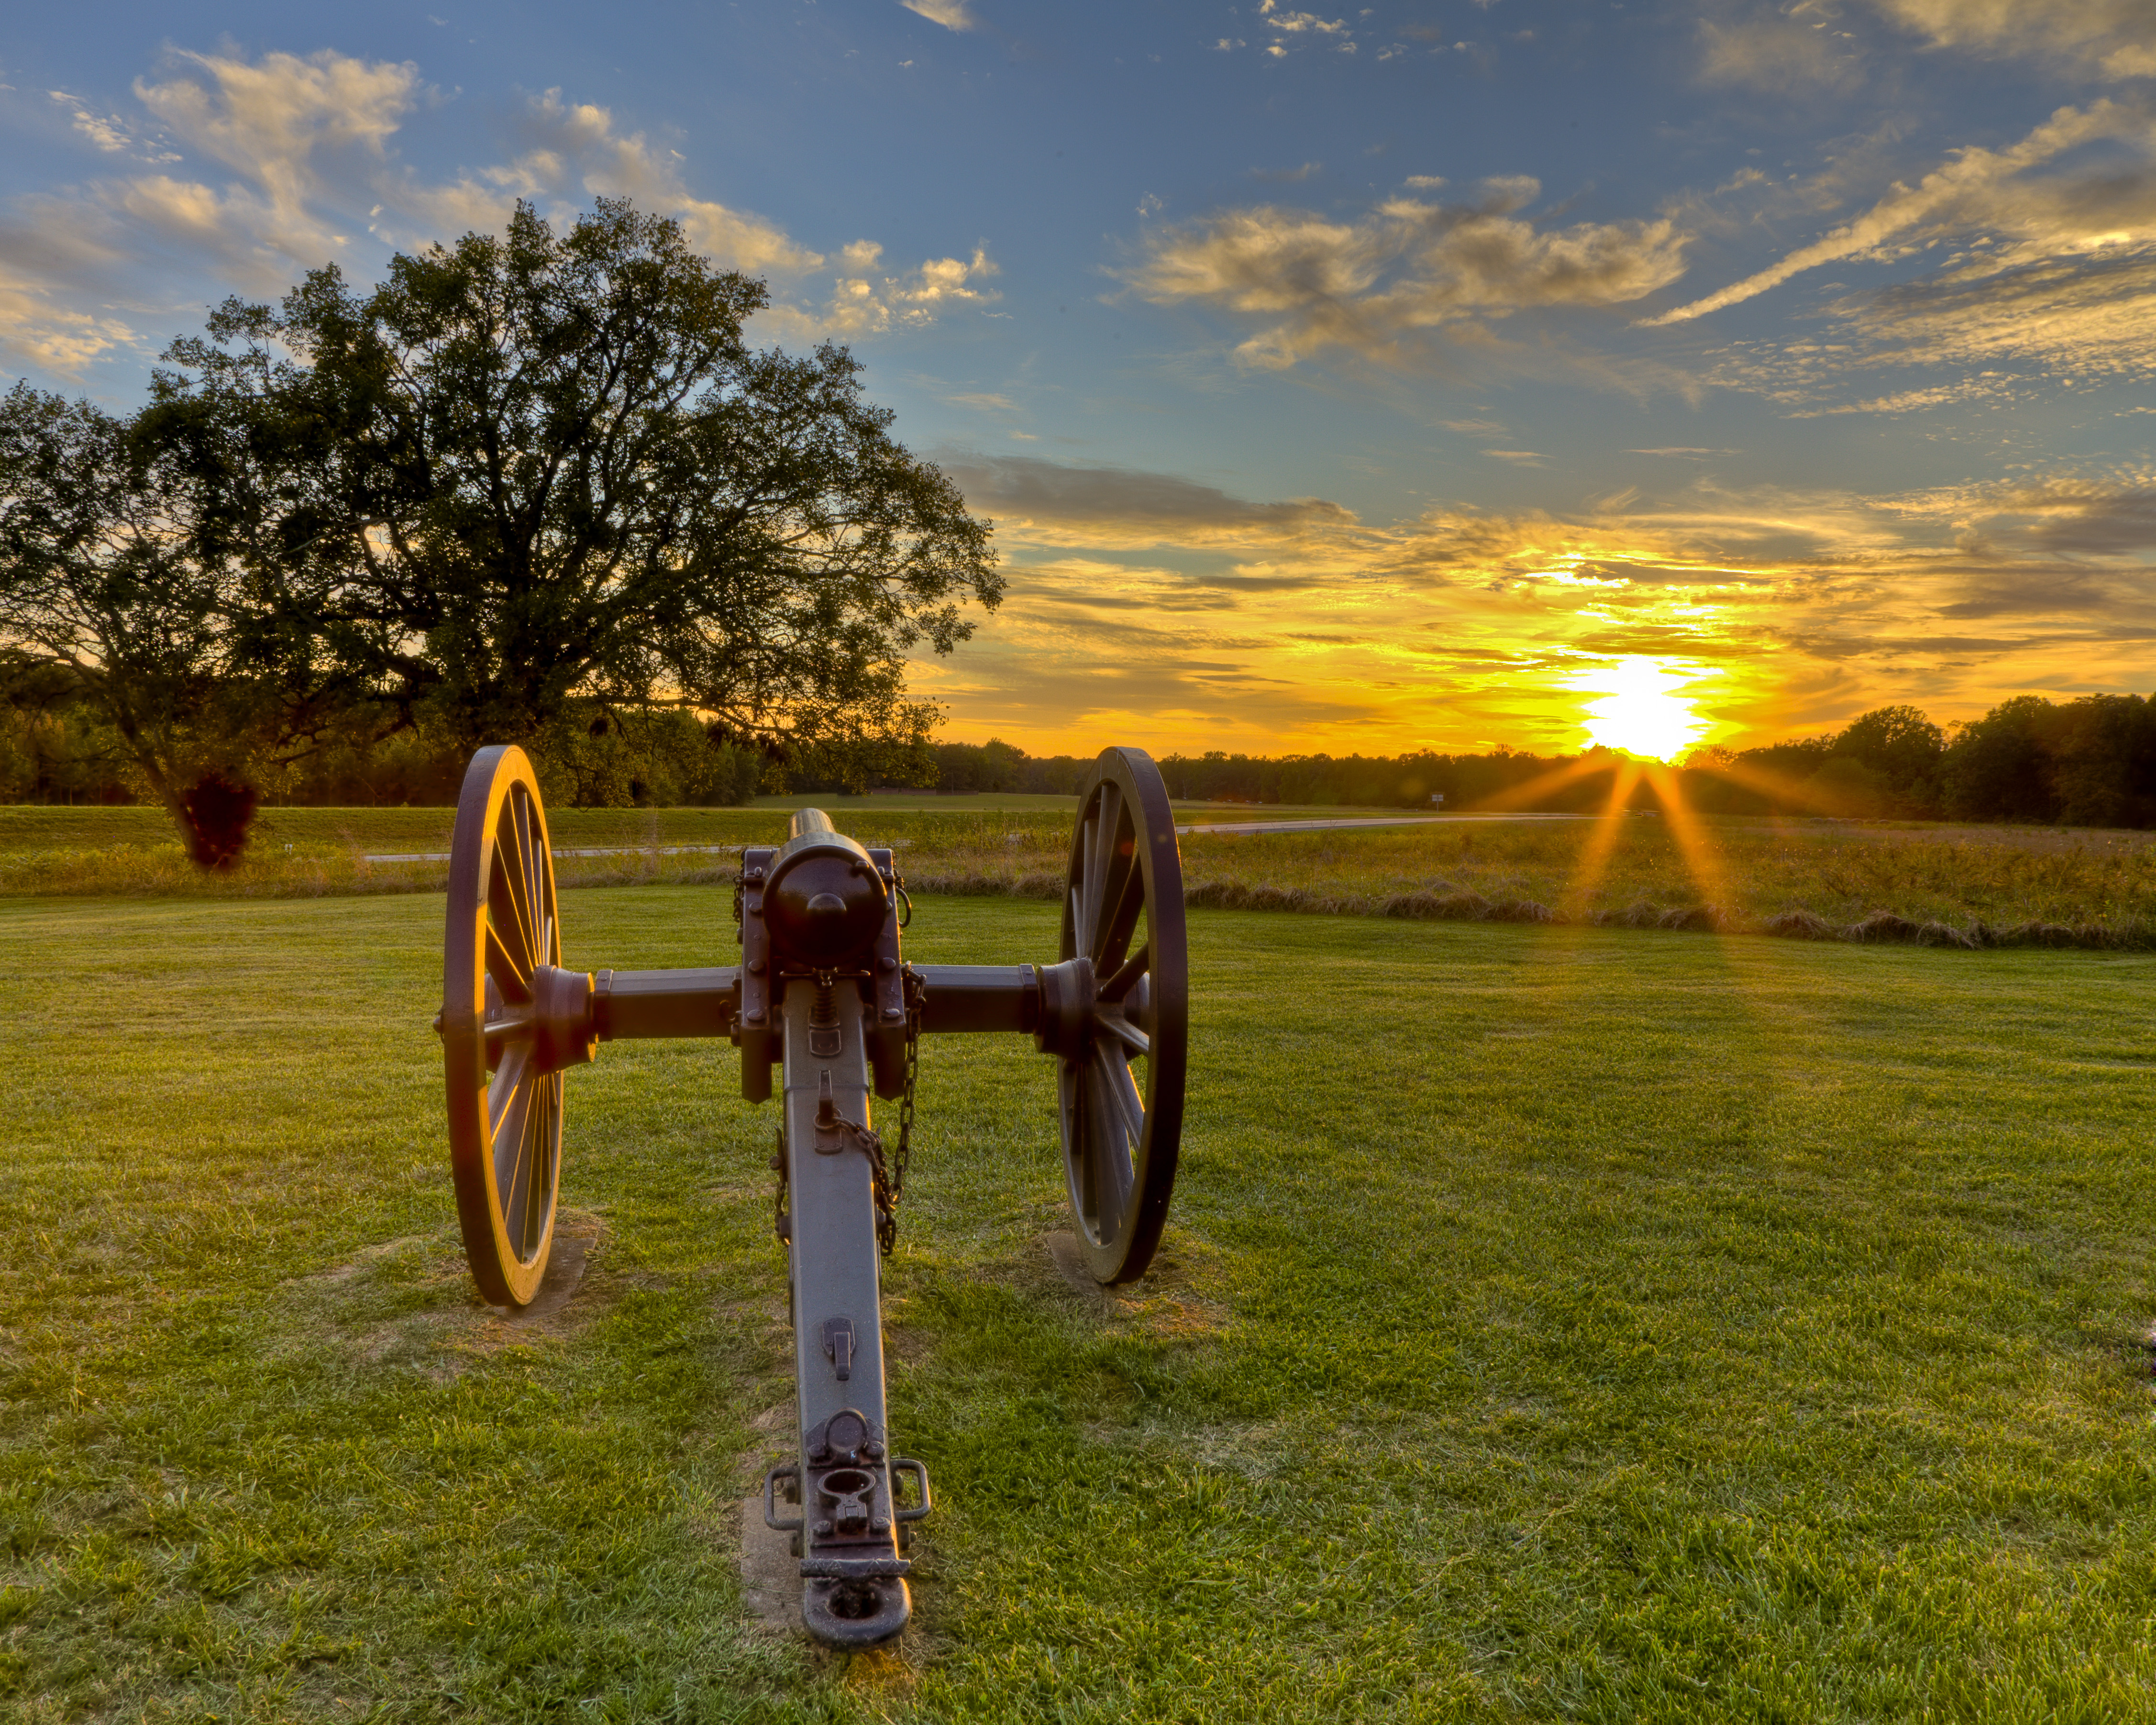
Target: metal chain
{"points": [[781, 1224], [916, 995], [886, 1176]]}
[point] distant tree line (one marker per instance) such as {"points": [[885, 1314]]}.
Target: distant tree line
{"points": [[2087, 763], [2090, 762]]}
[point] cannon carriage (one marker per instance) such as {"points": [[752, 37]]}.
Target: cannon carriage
{"points": [[828, 1014]]}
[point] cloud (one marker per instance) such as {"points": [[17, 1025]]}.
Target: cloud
{"points": [[1804, 43], [1301, 24], [312, 176], [1253, 625], [269, 118], [1773, 50], [864, 301], [2092, 315], [952, 14], [574, 150], [1314, 283], [1983, 190], [2042, 262], [2072, 516], [1051, 501], [2111, 39], [39, 333], [107, 131]]}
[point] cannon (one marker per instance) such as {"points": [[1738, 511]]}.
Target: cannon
{"points": [[823, 994]]}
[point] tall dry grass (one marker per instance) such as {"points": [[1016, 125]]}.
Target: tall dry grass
{"points": [[1963, 886]]}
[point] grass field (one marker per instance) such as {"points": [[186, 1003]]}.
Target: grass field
{"points": [[1554, 1322], [1941, 884]]}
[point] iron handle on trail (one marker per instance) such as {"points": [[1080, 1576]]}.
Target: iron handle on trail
{"points": [[823, 999]]}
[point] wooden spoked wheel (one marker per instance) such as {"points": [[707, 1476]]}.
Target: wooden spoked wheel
{"points": [[1121, 1086], [505, 1111]]}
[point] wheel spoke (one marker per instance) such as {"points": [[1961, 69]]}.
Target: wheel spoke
{"points": [[1081, 891], [509, 1082], [503, 965], [517, 1189], [1123, 1092], [504, 921], [1113, 933], [1101, 866], [1122, 982], [539, 1165], [1115, 1024], [1111, 1153], [508, 893], [509, 1112], [540, 917]]}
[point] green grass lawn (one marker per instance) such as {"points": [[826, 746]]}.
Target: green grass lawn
{"points": [[1553, 1323]]}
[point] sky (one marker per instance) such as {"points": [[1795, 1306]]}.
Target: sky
{"points": [[1448, 373]]}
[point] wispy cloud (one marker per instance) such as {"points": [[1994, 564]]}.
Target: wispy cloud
{"points": [[1981, 190], [1777, 48], [952, 14], [1314, 283], [312, 175], [2113, 38], [1057, 503], [108, 132], [1460, 626]]}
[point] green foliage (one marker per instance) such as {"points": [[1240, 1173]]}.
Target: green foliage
{"points": [[534, 470], [113, 610], [591, 758], [55, 746], [2090, 763]]}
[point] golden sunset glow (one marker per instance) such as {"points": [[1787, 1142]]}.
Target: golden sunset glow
{"points": [[1351, 451], [1640, 710]]}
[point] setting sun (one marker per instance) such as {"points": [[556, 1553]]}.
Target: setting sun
{"points": [[1638, 709]]}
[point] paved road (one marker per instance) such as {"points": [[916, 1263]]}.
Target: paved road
{"points": [[610, 850], [1382, 820], [1230, 830]]}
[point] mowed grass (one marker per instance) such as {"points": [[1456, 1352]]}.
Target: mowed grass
{"points": [[1552, 1322]]}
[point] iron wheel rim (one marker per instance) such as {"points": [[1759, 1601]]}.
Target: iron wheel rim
{"points": [[505, 1121], [1122, 909]]}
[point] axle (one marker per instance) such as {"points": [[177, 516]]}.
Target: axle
{"points": [[629, 1005]]}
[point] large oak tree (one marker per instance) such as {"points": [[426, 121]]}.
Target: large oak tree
{"points": [[535, 467], [527, 472]]}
